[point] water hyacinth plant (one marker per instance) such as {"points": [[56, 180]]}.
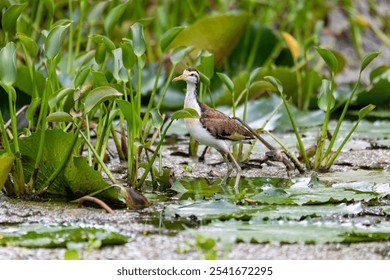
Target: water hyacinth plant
{"points": [[92, 73]]}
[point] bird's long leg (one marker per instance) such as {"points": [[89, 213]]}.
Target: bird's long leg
{"points": [[229, 171], [238, 176]]}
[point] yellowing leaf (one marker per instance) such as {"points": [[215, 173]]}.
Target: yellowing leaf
{"points": [[7, 160], [292, 44]]}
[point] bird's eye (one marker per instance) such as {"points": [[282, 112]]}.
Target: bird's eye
{"points": [[192, 74]]}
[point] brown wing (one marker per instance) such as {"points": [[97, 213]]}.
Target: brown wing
{"points": [[221, 126]]}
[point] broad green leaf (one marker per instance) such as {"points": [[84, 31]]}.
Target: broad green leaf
{"points": [[364, 111], [329, 58], [11, 16], [326, 100], [99, 95], [101, 39], [218, 34], [185, 113], [59, 117], [55, 39], [128, 55], [367, 60], [127, 110], [30, 45], [81, 76], [273, 196], [254, 75], [179, 53], [138, 39], [77, 179], [204, 79], [60, 95], [178, 187], [227, 81], [114, 16], [169, 36], [156, 118], [99, 79], [7, 161], [8, 70], [275, 82], [118, 71], [96, 12]]}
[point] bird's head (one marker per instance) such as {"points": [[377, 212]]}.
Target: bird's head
{"points": [[190, 75]]}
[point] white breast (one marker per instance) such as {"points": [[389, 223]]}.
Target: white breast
{"points": [[200, 134]]}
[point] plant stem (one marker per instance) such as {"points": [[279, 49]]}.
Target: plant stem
{"points": [[336, 131], [148, 168]]}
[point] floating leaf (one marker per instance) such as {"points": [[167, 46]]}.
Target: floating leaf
{"points": [[114, 16], [292, 232], [49, 236], [99, 95]]}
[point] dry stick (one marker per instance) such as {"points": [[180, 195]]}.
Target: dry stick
{"points": [[19, 112], [270, 147], [95, 200]]}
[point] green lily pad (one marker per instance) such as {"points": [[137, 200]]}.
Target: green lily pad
{"points": [[45, 236], [223, 210], [302, 232]]}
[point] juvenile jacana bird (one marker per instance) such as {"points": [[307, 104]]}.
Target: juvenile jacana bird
{"points": [[213, 128]]}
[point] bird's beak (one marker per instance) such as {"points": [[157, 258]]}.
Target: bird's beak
{"points": [[179, 78]]}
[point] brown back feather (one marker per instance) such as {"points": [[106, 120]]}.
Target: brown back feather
{"points": [[221, 126]]}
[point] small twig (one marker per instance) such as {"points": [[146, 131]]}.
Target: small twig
{"points": [[18, 113], [96, 201]]}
